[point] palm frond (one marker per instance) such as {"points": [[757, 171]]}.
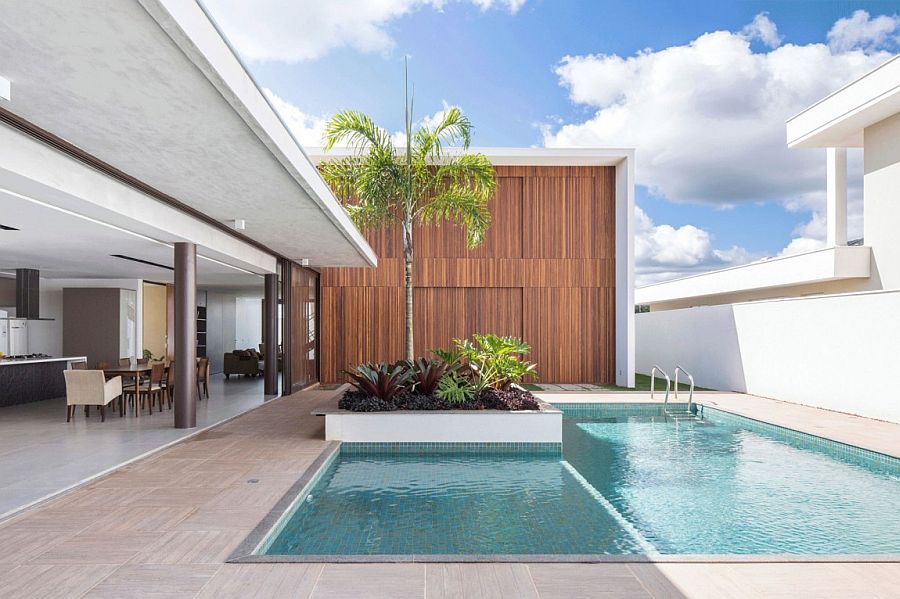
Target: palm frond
{"points": [[463, 206], [474, 171], [357, 129], [454, 129], [341, 175]]}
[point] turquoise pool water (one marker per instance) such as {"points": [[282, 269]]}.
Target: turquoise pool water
{"points": [[630, 481]]}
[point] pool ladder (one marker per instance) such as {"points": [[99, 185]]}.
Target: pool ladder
{"points": [[676, 414]]}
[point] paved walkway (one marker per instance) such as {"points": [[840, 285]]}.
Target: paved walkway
{"points": [[162, 527]]}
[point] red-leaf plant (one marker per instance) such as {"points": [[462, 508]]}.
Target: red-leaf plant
{"points": [[426, 374], [383, 381]]}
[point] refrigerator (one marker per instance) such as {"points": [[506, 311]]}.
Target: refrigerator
{"points": [[13, 335]]}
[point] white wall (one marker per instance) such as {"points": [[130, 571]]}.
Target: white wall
{"points": [[232, 322], [837, 352], [881, 183]]}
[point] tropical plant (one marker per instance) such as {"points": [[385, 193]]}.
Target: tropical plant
{"points": [[491, 361], [418, 183], [455, 388], [383, 381], [425, 375]]}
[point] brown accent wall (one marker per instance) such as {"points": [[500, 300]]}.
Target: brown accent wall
{"points": [[91, 324], [546, 273]]}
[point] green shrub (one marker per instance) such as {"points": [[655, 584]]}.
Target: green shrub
{"points": [[491, 361], [455, 388]]}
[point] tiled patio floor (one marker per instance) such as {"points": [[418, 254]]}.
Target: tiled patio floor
{"points": [[162, 527], [41, 453]]}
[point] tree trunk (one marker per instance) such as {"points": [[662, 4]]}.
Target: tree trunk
{"points": [[408, 255]]}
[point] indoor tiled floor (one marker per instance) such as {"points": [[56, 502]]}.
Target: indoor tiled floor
{"points": [[40, 453], [162, 527]]}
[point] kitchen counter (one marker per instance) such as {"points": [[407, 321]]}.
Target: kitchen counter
{"points": [[34, 379], [8, 362]]}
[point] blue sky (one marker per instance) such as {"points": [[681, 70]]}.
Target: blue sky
{"points": [[705, 111]]}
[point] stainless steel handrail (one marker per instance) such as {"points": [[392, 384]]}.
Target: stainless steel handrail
{"points": [[653, 382], [691, 379]]}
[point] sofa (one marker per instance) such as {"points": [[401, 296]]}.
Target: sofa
{"points": [[242, 361]]}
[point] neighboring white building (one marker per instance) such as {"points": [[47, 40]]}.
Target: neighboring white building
{"points": [[819, 328]]}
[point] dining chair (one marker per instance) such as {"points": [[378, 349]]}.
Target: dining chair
{"points": [[124, 361], [79, 365], [151, 390], [143, 361], [90, 388], [203, 377], [170, 383]]}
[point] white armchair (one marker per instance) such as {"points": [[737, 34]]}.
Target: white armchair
{"points": [[90, 388]]}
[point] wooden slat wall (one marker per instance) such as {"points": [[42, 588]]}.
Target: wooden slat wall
{"points": [[546, 272]]}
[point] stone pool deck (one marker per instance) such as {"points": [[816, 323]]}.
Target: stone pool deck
{"points": [[163, 526], [874, 435]]}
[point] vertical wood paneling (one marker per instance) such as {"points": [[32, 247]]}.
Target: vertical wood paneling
{"points": [[546, 273]]}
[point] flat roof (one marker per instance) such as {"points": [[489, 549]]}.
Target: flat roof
{"points": [[153, 89], [817, 266], [501, 156], [838, 120]]}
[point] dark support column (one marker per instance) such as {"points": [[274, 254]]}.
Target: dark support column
{"points": [[287, 318], [185, 335], [270, 334]]}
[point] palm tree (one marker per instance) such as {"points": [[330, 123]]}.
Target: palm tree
{"points": [[418, 183]]}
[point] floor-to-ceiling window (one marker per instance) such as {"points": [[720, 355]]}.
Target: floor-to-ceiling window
{"points": [[304, 326]]}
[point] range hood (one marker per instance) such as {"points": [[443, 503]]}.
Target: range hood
{"points": [[28, 291]]}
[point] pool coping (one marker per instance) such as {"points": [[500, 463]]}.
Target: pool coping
{"points": [[245, 551]]}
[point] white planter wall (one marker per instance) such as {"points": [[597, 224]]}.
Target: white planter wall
{"points": [[838, 352], [445, 427]]}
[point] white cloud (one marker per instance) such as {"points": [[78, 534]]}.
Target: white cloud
{"points": [[664, 252], [306, 128], [800, 245], [297, 30], [763, 29], [707, 118], [860, 31]]}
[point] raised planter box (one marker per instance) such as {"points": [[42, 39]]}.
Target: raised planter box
{"points": [[444, 426]]}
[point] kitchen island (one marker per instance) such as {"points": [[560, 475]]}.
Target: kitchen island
{"points": [[24, 380]]}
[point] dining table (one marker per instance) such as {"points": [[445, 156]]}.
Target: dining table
{"points": [[134, 372]]}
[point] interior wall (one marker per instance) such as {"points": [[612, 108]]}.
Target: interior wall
{"points": [[248, 322], [220, 328], [7, 292], [154, 319], [46, 336]]}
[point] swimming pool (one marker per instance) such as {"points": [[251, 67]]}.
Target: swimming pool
{"points": [[630, 481]]}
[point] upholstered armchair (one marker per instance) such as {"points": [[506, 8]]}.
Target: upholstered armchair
{"points": [[90, 388]]}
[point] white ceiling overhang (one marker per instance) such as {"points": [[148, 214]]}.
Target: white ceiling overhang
{"points": [[152, 89]]}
